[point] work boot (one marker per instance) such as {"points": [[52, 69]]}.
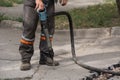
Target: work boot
{"points": [[47, 59], [26, 52], [25, 66]]}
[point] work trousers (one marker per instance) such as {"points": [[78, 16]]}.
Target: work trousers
{"points": [[30, 21]]}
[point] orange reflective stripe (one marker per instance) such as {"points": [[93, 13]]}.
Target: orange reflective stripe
{"points": [[26, 42], [43, 38]]}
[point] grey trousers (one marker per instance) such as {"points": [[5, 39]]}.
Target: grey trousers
{"points": [[30, 22]]}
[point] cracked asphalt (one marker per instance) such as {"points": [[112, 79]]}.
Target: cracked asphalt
{"points": [[99, 50]]}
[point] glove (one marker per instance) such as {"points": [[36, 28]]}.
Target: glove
{"points": [[63, 2]]}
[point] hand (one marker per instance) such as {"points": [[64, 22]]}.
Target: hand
{"points": [[63, 2], [39, 5]]}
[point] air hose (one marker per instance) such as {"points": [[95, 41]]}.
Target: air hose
{"points": [[43, 17], [73, 47]]}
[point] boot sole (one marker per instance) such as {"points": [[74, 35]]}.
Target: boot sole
{"points": [[49, 64]]}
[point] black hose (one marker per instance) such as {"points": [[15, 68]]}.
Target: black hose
{"points": [[73, 47]]}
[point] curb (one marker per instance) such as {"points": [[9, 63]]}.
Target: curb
{"points": [[79, 33], [10, 24]]}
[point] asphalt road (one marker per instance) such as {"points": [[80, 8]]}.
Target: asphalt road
{"points": [[97, 51], [96, 47], [17, 11]]}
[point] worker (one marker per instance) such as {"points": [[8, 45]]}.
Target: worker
{"points": [[30, 22]]}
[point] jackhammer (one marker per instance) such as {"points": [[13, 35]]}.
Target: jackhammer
{"points": [[43, 18]]}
